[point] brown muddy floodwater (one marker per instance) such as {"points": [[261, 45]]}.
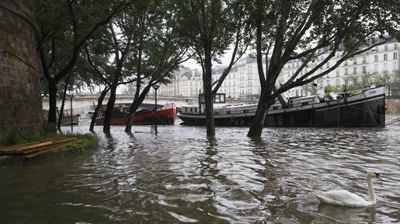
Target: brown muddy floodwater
{"points": [[178, 176]]}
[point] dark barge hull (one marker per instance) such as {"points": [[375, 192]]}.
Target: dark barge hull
{"points": [[367, 112]]}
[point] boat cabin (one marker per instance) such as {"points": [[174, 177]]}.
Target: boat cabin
{"points": [[302, 101]]}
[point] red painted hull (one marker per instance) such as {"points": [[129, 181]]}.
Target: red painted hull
{"points": [[165, 115]]}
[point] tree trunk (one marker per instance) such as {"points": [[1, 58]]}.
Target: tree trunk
{"points": [[134, 106], [257, 125], [109, 110], [61, 111], [98, 107], [208, 96], [52, 116]]}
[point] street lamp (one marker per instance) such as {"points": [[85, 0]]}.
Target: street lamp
{"points": [[155, 87]]}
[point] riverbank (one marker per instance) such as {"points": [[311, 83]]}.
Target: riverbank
{"points": [[49, 144]]}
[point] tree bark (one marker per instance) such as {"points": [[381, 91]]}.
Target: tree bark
{"points": [[134, 106], [208, 96], [109, 110], [52, 116], [98, 107], [61, 111], [257, 125]]}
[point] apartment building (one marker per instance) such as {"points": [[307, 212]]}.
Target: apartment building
{"points": [[243, 82]]}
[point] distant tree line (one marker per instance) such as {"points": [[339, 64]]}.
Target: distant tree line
{"points": [[109, 43]]}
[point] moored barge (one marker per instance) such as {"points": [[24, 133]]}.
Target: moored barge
{"points": [[366, 108], [146, 115]]}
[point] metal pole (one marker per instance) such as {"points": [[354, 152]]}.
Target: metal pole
{"points": [[71, 119]]}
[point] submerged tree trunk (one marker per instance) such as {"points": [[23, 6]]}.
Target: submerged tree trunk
{"points": [[258, 122], [134, 106], [52, 116], [208, 96], [109, 109], [98, 107]]}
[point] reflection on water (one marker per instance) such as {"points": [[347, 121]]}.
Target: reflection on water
{"points": [[173, 174]]}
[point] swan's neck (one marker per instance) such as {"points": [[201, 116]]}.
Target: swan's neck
{"points": [[371, 191]]}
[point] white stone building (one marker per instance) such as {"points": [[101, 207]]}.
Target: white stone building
{"points": [[186, 83], [242, 82], [381, 60]]}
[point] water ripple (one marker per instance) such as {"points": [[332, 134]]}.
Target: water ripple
{"points": [[178, 176]]}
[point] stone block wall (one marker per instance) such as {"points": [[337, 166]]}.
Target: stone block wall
{"points": [[20, 101]]}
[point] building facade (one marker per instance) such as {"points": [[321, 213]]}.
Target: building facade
{"points": [[381, 62], [186, 82], [243, 83]]}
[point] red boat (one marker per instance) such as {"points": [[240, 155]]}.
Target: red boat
{"points": [[163, 115]]}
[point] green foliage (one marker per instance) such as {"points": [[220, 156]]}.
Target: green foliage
{"points": [[212, 24], [83, 142], [329, 89]]}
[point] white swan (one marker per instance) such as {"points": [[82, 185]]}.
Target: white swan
{"points": [[348, 199]]}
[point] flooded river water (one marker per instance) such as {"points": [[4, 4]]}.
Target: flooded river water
{"points": [[178, 176]]}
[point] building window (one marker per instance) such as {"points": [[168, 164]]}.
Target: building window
{"points": [[394, 55], [364, 69], [346, 71], [386, 47], [355, 70], [395, 46], [364, 60], [376, 58], [385, 57]]}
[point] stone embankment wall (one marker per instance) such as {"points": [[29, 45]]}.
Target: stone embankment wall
{"points": [[393, 106], [20, 101]]}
